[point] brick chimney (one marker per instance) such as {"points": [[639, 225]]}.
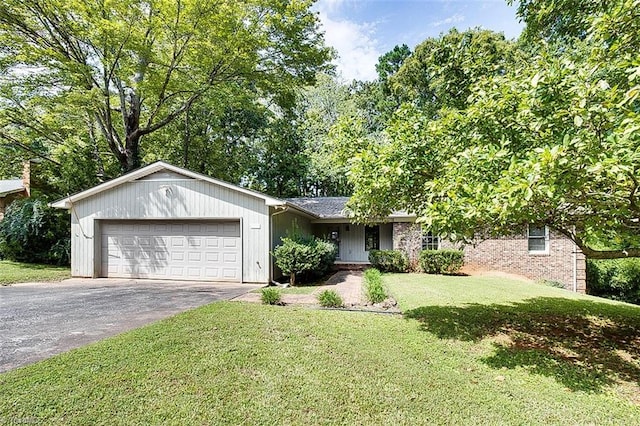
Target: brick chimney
{"points": [[26, 177]]}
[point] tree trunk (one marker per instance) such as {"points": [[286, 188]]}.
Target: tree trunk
{"points": [[186, 140], [610, 254], [133, 135], [292, 279], [601, 254]]}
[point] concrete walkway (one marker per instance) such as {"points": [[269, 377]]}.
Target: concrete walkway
{"points": [[348, 284]]}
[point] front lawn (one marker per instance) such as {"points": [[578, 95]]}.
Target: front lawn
{"points": [[14, 272], [241, 363], [584, 343]]}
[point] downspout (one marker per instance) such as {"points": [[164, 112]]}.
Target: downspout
{"points": [[575, 265], [272, 238]]}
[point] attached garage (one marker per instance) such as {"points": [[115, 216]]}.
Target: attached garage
{"points": [[165, 222], [176, 249]]}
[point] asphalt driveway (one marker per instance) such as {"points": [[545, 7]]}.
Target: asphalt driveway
{"points": [[41, 320]]}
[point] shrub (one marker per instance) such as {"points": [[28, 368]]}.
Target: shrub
{"points": [[373, 288], [330, 299], [327, 252], [389, 260], [304, 255], [270, 296], [31, 231], [550, 283], [617, 279], [441, 261]]}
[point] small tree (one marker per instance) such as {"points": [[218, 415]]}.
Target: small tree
{"points": [[299, 255]]}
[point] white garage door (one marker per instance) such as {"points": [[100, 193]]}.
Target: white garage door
{"points": [[184, 250]]}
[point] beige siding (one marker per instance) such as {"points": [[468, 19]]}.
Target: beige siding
{"points": [[282, 223], [172, 199], [352, 239]]}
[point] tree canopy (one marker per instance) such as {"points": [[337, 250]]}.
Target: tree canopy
{"points": [[554, 139], [109, 74]]}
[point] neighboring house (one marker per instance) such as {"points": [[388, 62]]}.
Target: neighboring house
{"points": [[162, 221], [12, 189]]}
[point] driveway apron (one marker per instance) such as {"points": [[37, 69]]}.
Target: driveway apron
{"points": [[41, 320]]}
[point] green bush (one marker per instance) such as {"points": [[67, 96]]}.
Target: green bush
{"points": [[389, 260], [373, 288], [617, 279], [550, 283], [441, 261], [304, 256], [33, 232], [270, 296], [330, 299]]}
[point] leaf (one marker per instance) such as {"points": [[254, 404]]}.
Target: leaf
{"points": [[534, 81], [577, 120]]}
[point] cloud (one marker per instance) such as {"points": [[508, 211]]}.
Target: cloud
{"points": [[450, 20], [358, 50]]}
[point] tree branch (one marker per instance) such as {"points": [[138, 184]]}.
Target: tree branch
{"points": [[13, 141]]}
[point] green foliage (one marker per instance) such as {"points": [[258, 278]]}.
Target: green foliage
{"points": [[551, 283], [553, 139], [284, 164], [389, 63], [109, 74], [330, 299], [373, 288], [270, 296], [33, 232], [559, 21], [319, 108], [389, 260], [304, 256], [441, 261], [617, 279], [442, 70]]}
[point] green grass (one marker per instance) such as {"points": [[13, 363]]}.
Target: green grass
{"points": [[239, 363], [14, 272], [585, 343]]}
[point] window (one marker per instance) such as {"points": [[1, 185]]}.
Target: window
{"points": [[538, 239], [430, 241], [371, 238], [334, 237]]}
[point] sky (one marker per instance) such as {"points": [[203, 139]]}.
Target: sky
{"points": [[363, 30]]}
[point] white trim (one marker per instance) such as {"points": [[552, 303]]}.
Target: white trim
{"points": [[65, 203], [546, 241]]}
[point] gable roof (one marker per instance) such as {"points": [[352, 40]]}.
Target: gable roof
{"points": [[333, 207], [11, 186], [322, 207], [140, 173]]}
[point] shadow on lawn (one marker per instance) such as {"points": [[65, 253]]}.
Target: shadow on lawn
{"points": [[585, 345]]}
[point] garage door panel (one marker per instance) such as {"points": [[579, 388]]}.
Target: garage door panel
{"points": [[230, 242], [201, 250]]}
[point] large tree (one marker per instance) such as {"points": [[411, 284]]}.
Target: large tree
{"points": [[441, 70], [554, 140], [113, 72]]}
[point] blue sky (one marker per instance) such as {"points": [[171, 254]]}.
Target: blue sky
{"points": [[362, 30]]}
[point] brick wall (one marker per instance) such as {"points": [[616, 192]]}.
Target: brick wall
{"points": [[407, 237], [510, 254]]}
